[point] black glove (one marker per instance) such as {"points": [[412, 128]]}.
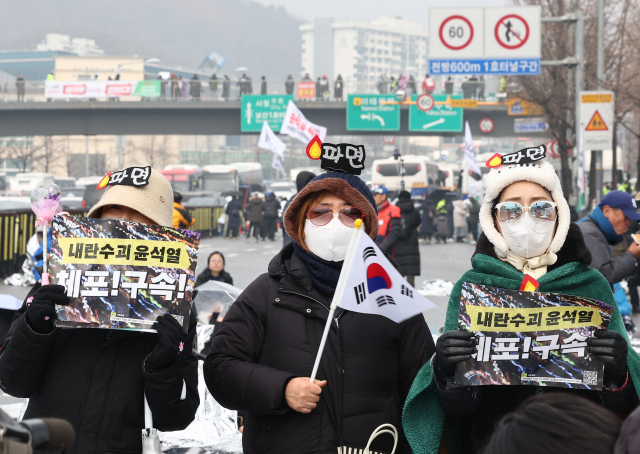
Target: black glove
{"points": [[452, 348], [41, 307], [610, 348], [169, 346]]}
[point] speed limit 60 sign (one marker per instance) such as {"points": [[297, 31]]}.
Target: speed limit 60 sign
{"points": [[458, 31]]}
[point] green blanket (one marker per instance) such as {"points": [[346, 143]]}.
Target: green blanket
{"points": [[423, 417]]}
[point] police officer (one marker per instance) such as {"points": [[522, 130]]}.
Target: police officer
{"points": [[389, 220]]}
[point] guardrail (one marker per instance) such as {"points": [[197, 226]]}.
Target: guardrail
{"points": [[17, 227], [189, 90]]}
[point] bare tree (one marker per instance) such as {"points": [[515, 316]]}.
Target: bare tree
{"points": [[49, 153], [21, 152], [151, 151]]}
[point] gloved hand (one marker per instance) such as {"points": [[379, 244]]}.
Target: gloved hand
{"points": [[452, 348], [169, 346], [41, 307], [610, 348]]}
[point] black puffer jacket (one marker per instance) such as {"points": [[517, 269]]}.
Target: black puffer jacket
{"points": [[271, 207], [263, 342], [407, 251], [94, 379]]}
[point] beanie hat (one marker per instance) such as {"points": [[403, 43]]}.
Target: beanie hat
{"points": [[154, 200], [303, 179], [351, 188], [540, 172]]}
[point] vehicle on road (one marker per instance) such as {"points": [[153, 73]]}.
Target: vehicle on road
{"points": [[72, 198], [184, 177], [65, 182], [421, 176], [220, 178], [28, 181], [282, 189], [249, 172]]}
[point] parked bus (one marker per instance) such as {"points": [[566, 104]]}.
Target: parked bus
{"points": [[220, 178], [184, 177], [249, 170], [421, 176], [28, 181]]}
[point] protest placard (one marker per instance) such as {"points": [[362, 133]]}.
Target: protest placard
{"points": [[530, 338], [120, 274]]}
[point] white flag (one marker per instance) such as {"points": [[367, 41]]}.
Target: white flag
{"points": [[469, 150], [277, 165], [370, 284], [269, 141], [297, 126]]}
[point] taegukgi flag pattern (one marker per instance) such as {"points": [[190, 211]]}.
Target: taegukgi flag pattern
{"points": [[371, 284]]}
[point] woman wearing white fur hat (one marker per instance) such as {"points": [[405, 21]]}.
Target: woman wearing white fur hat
{"points": [[526, 232]]}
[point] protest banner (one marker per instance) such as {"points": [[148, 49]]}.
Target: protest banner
{"points": [[120, 274], [297, 126], [530, 338], [101, 89]]}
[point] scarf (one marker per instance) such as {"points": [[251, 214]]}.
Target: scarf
{"points": [[324, 274], [536, 267], [605, 226]]}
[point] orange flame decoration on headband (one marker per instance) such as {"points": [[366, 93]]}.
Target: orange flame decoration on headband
{"points": [[494, 161], [529, 284], [104, 182], [314, 148]]}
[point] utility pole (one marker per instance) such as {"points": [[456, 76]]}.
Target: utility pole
{"points": [[597, 154]]}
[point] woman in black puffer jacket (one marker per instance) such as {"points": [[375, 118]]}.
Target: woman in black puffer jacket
{"points": [[264, 352], [407, 251]]}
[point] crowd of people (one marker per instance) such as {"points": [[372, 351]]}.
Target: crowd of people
{"points": [[373, 371]]}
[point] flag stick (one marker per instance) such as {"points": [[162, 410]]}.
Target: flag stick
{"points": [[45, 240], [246, 194], [342, 282]]}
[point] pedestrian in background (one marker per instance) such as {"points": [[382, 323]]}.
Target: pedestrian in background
{"points": [[182, 219], [382, 85], [407, 250], [605, 226], [175, 88], [20, 88], [289, 85], [262, 357], [263, 86], [428, 84], [460, 220], [254, 215], [214, 271], [474, 217], [213, 87], [337, 88], [389, 219], [527, 231], [441, 222], [270, 217], [318, 89], [411, 86], [427, 210], [195, 87], [233, 211], [226, 88], [98, 379]]}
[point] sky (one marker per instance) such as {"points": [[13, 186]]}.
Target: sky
{"points": [[358, 10]]}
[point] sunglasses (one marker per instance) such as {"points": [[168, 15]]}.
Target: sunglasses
{"points": [[321, 215], [542, 211]]}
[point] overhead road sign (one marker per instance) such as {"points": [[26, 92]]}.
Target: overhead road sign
{"points": [[596, 119], [373, 113], [519, 106], [256, 109], [485, 40], [441, 118], [464, 103], [530, 125]]}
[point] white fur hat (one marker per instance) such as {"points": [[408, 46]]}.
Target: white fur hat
{"points": [[540, 172]]}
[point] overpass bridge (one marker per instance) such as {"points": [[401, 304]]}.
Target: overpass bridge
{"points": [[203, 118]]}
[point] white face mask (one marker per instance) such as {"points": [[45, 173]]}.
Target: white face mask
{"points": [[329, 242], [528, 238]]}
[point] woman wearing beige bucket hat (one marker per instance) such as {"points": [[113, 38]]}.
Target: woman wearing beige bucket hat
{"points": [[97, 379]]}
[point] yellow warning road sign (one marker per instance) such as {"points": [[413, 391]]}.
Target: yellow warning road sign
{"points": [[596, 123]]}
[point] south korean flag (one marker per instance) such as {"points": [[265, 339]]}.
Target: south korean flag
{"points": [[370, 284]]}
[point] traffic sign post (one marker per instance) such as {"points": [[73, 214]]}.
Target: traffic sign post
{"points": [[441, 118], [256, 109], [486, 125], [485, 40], [373, 113], [596, 119], [425, 102]]}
